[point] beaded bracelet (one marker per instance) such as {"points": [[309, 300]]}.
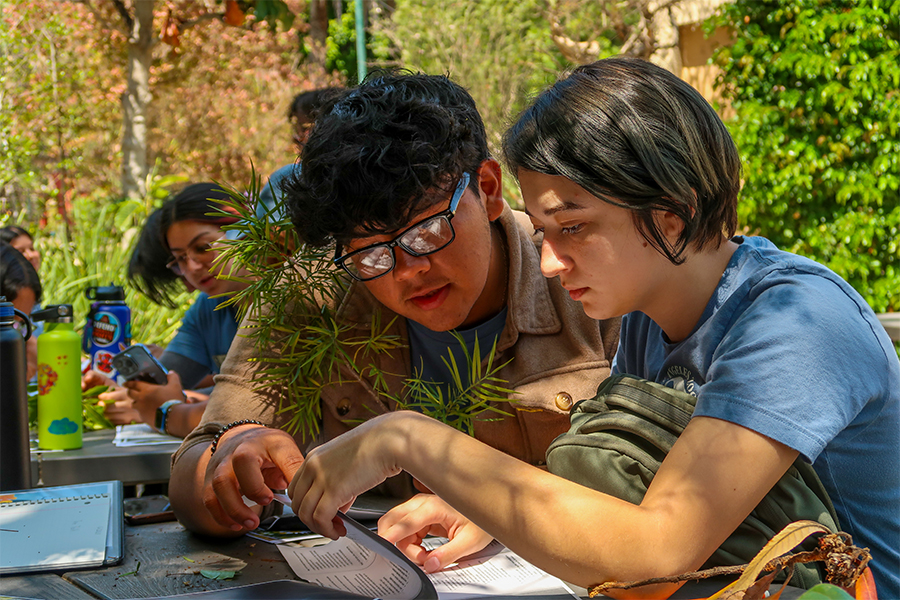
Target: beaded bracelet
{"points": [[232, 425]]}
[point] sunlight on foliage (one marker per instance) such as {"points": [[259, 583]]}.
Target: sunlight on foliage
{"points": [[814, 85]]}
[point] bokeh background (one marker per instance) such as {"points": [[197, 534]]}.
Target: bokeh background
{"points": [[106, 106]]}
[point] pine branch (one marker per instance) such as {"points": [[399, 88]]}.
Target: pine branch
{"points": [[290, 298]]}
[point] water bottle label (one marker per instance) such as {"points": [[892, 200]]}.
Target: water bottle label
{"points": [[102, 362], [63, 426], [105, 329]]}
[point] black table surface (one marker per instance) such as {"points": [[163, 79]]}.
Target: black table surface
{"points": [[161, 559], [164, 559]]}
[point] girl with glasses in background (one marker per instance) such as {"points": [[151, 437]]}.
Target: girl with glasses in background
{"points": [[178, 246]]}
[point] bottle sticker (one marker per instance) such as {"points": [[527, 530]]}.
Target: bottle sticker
{"points": [[46, 379], [63, 426], [105, 329], [103, 362]]}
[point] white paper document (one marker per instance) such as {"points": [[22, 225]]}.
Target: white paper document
{"points": [[365, 564], [141, 435], [496, 570]]}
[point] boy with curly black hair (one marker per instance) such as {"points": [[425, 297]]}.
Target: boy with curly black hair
{"points": [[398, 178]]}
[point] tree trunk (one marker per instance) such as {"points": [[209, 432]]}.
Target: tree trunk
{"points": [[318, 30], [135, 101]]}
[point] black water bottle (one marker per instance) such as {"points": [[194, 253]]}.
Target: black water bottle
{"points": [[15, 456]]}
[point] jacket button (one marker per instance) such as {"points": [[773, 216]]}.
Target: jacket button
{"points": [[563, 401], [343, 407]]}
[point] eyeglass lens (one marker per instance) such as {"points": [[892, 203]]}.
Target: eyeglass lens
{"points": [[423, 238], [426, 237], [198, 253]]}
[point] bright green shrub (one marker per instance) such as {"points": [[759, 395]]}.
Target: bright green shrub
{"points": [[815, 85], [94, 250]]}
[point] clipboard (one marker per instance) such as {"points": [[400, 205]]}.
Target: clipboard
{"points": [[62, 528]]}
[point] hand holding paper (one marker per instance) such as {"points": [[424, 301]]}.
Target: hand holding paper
{"points": [[335, 473], [363, 563], [408, 524]]}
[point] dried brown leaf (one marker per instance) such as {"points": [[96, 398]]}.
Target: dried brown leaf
{"points": [[783, 542]]}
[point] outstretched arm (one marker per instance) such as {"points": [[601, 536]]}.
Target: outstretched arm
{"points": [[716, 473]]}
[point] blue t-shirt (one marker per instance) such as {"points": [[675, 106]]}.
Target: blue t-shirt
{"points": [[788, 349], [430, 350], [205, 334]]}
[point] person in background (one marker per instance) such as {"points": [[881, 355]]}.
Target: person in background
{"points": [[20, 284], [179, 243], [633, 181], [22, 241], [302, 114]]}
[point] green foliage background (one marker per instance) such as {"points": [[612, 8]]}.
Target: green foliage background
{"points": [[815, 85], [94, 249]]}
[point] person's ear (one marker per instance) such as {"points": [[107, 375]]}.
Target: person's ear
{"points": [[490, 183], [669, 223]]}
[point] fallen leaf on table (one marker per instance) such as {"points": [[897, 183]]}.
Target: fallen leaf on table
{"points": [[215, 574], [222, 564]]}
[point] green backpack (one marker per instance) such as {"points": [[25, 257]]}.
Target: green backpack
{"points": [[618, 439]]}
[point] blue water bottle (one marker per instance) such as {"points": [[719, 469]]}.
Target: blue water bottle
{"points": [[108, 328]]}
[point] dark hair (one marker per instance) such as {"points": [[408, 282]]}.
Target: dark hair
{"points": [[11, 232], [638, 137], [196, 202], [381, 154], [17, 273], [147, 270], [306, 106]]}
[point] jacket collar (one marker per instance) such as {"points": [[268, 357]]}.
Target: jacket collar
{"points": [[531, 308]]}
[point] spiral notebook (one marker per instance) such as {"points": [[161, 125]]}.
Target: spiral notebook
{"points": [[59, 528]]}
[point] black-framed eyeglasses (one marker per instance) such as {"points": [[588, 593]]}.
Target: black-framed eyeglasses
{"points": [[421, 239]]}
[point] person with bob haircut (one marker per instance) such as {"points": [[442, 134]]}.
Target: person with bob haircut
{"points": [[396, 179], [178, 245], [633, 180]]}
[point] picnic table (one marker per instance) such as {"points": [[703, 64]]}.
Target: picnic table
{"points": [[164, 559], [100, 460]]}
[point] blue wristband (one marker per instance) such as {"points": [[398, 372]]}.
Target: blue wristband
{"points": [[162, 412]]}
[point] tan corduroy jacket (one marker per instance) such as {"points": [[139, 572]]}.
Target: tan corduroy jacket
{"points": [[559, 356]]}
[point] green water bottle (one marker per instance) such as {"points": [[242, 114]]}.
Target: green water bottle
{"points": [[59, 380]]}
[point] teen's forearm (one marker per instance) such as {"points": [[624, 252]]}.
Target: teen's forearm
{"points": [[571, 531], [186, 485], [183, 418]]}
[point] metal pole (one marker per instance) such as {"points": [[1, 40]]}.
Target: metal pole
{"points": [[360, 40]]}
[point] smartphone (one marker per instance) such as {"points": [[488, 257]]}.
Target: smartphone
{"points": [[135, 363]]}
